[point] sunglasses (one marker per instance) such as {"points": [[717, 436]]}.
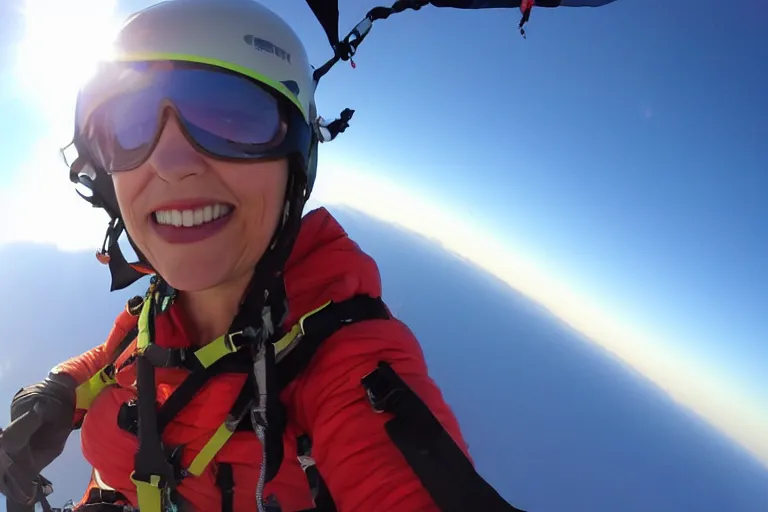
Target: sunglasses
{"points": [[121, 113]]}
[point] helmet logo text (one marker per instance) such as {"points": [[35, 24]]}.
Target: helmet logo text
{"points": [[265, 46]]}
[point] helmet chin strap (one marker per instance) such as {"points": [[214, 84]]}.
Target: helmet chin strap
{"points": [[102, 195], [123, 273]]}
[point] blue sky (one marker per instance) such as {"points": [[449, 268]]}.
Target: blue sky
{"points": [[615, 155]]}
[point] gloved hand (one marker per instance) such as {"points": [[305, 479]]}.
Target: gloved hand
{"points": [[41, 420]]}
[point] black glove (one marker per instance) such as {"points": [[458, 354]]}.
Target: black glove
{"points": [[41, 420]]}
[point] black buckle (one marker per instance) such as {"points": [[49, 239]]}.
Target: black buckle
{"points": [[161, 357], [128, 417], [383, 387]]}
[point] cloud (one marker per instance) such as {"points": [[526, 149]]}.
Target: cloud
{"points": [[44, 208]]}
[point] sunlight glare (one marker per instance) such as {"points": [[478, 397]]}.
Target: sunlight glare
{"points": [[61, 45], [62, 42]]}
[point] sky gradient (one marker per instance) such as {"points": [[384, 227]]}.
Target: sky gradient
{"points": [[612, 166]]}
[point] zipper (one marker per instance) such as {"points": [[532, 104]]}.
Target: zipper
{"points": [[260, 432], [259, 418]]}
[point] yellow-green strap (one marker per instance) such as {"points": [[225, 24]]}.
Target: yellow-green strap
{"points": [[209, 451], [297, 330], [150, 496], [86, 392], [223, 346], [143, 340], [215, 350]]}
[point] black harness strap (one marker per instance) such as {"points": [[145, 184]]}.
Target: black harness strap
{"points": [[225, 481], [192, 385], [320, 326], [151, 466], [444, 470]]}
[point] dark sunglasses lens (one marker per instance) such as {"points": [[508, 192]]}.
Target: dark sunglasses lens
{"points": [[230, 107], [226, 115]]}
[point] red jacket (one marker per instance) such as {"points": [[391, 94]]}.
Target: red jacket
{"points": [[360, 465]]}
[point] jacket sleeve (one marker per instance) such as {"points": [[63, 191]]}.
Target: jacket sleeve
{"points": [[83, 367], [361, 466]]}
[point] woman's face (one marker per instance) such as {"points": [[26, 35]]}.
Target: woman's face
{"points": [[200, 222]]}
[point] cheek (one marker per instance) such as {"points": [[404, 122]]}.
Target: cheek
{"points": [[128, 187], [260, 193]]}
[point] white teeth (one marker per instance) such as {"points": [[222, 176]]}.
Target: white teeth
{"points": [[190, 218], [176, 218]]}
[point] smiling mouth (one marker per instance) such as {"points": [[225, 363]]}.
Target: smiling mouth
{"points": [[192, 218]]}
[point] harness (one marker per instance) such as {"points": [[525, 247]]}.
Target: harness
{"points": [[439, 463]]}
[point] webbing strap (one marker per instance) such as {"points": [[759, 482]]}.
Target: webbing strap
{"points": [[224, 432], [150, 497], [317, 326], [190, 387], [226, 484], [86, 392], [195, 360], [209, 451], [443, 469], [152, 472]]}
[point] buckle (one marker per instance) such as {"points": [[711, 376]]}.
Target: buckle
{"points": [[149, 491], [382, 388], [161, 357], [308, 316], [134, 304]]}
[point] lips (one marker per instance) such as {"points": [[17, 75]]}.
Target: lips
{"points": [[190, 223]]}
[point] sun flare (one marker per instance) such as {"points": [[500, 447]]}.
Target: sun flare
{"points": [[62, 43]]}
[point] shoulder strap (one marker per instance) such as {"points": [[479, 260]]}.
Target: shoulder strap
{"points": [[86, 392], [295, 350], [441, 466], [444, 470]]}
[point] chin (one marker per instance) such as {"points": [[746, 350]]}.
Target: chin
{"points": [[190, 276]]}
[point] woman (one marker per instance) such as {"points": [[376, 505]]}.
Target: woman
{"points": [[261, 330]]}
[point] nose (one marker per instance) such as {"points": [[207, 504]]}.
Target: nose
{"points": [[174, 158]]}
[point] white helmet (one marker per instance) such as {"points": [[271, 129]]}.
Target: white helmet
{"points": [[242, 36]]}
